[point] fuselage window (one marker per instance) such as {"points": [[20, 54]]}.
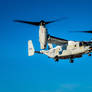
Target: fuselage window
{"points": [[74, 45]]}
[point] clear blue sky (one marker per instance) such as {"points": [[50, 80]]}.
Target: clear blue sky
{"points": [[20, 73]]}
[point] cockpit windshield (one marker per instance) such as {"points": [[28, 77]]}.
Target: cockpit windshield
{"points": [[84, 44]]}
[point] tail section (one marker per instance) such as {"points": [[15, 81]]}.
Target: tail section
{"points": [[31, 50]]}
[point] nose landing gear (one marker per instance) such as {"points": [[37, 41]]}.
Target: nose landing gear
{"points": [[71, 60], [89, 54], [56, 59]]}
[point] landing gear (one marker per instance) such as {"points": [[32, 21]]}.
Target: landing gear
{"points": [[71, 60], [56, 59], [89, 54]]}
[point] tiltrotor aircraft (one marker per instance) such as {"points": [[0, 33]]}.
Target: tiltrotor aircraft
{"points": [[64, 49]]}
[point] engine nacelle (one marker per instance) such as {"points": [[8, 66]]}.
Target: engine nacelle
{"points": [[43, 37]]}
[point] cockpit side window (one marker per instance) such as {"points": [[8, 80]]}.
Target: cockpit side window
{"points": [[80, 44]]}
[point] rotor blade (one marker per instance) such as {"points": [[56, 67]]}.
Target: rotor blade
{"points": [[42, 21], [28, 22], [87, 31], [63, 18], [83, 31]]}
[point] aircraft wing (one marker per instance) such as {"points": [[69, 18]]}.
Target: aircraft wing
{"points": [[57, 41]]}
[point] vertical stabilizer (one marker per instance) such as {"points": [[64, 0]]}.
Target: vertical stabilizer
{"points": [[30, 48]]}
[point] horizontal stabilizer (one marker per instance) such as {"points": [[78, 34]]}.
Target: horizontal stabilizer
{"points": [[30, 48]]}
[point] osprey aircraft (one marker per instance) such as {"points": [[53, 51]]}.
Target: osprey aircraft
{"points": [[64, 49]]}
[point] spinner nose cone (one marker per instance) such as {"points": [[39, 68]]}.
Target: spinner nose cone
{"points": [[42, 22]]}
